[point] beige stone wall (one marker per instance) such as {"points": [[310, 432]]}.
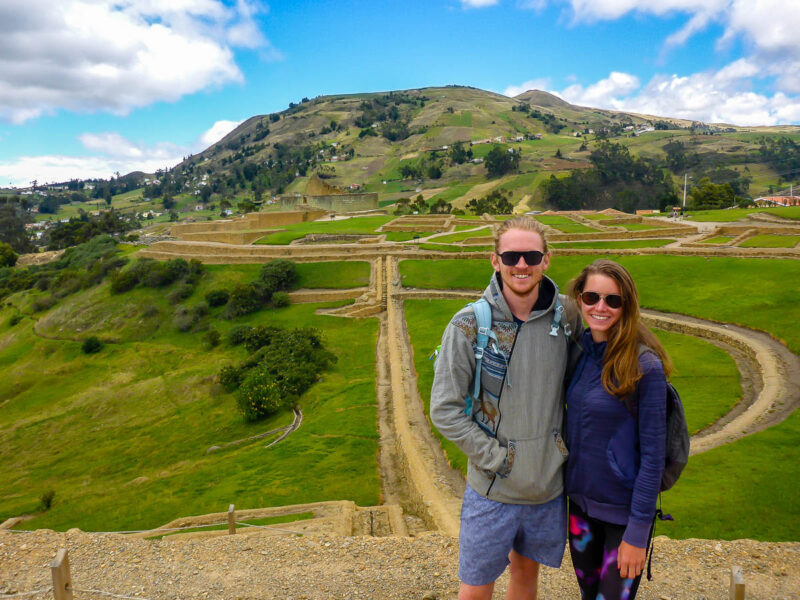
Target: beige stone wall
{"points": [[333, 202]]}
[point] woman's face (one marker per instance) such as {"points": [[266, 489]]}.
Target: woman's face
{"points": [[600, 317]]}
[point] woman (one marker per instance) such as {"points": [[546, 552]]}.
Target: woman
{"points": [[616, 461]]}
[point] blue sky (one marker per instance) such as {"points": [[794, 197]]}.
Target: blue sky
{"points": [[92, 87]]}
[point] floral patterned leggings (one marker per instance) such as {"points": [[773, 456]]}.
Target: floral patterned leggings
{"points": [[593, 546]]}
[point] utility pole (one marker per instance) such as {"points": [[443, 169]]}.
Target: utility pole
{"points": [[685, 175]]}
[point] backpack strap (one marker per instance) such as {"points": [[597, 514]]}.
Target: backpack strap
{"points": [[559, 315], [483, 318]]}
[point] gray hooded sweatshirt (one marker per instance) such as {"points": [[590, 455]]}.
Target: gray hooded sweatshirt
{"points": [[513, 437]]}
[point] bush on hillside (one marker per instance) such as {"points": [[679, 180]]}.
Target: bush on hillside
{"points": [[8, 258], [217, 298], [212, 338], [15, 318], [282, 367], [43, 303], [246, 298], [238, 335], [184, 319], [124, 281], [279, 274], [180, 293], [280, 299], [91, 345], [261, 336]]}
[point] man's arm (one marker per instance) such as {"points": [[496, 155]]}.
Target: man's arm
{"points": [[453, 380]]}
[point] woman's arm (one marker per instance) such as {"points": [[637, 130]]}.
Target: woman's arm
{"points": [[652, 447]]}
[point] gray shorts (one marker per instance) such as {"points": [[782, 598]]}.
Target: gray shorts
{"points": [[490, 529]]}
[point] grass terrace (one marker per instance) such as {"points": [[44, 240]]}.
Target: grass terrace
{"points": [[599, 244], [771, 241], [356, 225], [563, 224]]}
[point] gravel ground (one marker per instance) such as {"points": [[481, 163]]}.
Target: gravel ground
{"points": [[320, 567]]}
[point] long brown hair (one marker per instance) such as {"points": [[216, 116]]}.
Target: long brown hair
{"points": [[621, 361]]}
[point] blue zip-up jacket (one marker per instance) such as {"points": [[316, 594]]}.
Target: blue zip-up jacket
{"points": [[615, 464]]}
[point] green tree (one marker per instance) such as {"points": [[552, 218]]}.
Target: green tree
{"points": [[12, 228], [710, 195], [499, 162], [8, 258]]}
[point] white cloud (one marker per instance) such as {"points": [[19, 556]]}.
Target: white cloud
{"points": [[710, 97], [531, 84], [110, 152], [216, 132], [478, 3], [89, 55]]}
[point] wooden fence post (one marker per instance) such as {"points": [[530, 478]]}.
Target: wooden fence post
{"points": [[231, 520], [62, 582], [737, 583]]}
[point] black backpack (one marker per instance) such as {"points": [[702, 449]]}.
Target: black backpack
{"points": [[677, 452]]}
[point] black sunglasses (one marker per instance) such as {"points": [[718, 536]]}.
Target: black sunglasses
{"points": [[511, 257], [592, 298]]}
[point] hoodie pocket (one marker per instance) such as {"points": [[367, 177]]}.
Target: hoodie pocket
{"points": [[535, 475], [622, 459]]}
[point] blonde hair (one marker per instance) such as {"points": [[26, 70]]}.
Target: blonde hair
{"points": [[621, 361], [523, 222]]}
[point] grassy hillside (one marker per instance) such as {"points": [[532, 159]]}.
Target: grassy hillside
{"points": [[121, 436]]}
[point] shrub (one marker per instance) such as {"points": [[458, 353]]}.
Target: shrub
{"points": [[15, 318], [124, 281], [43, 283], [68, 282], [230, 377], [177, 268], [46, 500], [217, 297], [261, 336], [149, 311], [43, 303], [279, 372], [200, 309], [157, 275], [181, 292], [8, 258], [91, 345], [245, 299], [238, 334], [280, 299], [212, 338], [279, 274], [184, 319]]}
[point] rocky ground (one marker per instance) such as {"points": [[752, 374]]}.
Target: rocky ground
{"points": [[254, 567]]}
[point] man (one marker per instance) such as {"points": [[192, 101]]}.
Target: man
{"points": [[514, 510]]}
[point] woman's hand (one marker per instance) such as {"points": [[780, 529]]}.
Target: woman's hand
{"points": [[630, 560]]}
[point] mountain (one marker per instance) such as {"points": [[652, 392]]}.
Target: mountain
{"points": [[399, 144]]}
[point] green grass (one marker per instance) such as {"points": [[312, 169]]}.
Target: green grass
{"points": [[121, 436], [705, 375], [564, 224], [402, 236], [333, 275], [451, 248], [747, 489], [771, 241], [452, 192], [638, 226], [598, 217], [463, 235], [357, 225], [720, 239], [685, 284], [735, 214], [648, 243]]}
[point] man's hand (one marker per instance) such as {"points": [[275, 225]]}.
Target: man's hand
{"points": [[630, 560]]}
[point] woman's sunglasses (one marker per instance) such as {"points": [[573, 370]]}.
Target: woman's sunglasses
{"points": [[511, 257], [592, 298]]}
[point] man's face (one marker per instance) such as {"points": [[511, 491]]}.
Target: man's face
{"points": [[520, 279]]}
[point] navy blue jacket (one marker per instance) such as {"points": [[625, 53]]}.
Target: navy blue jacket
{"points": [[615, 464]]}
